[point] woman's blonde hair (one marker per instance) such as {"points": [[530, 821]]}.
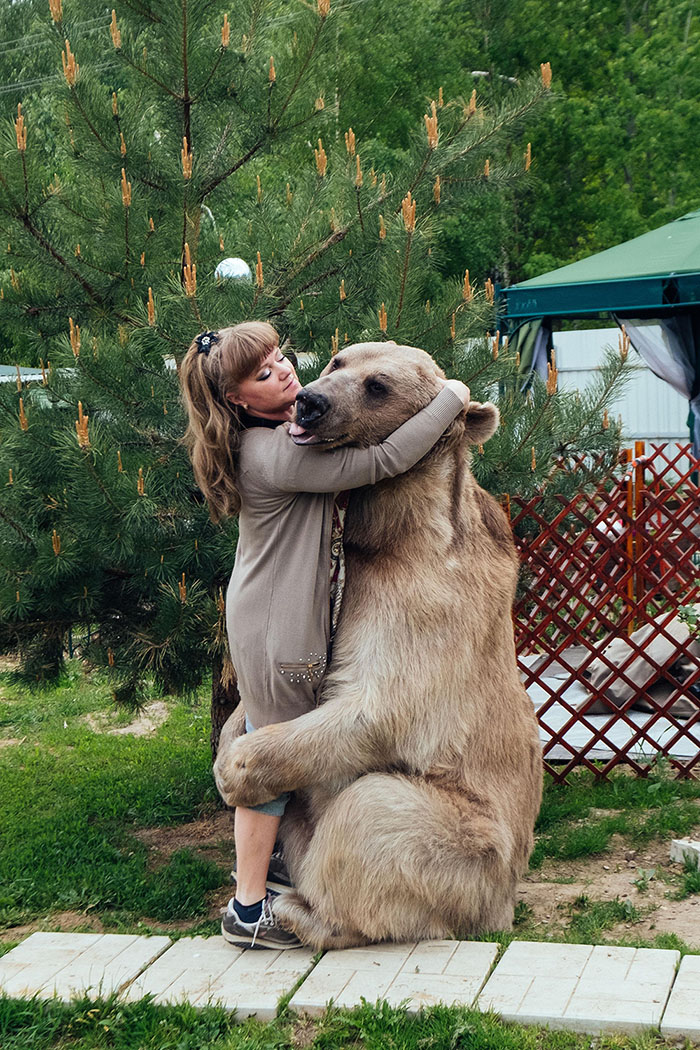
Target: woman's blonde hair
{"points": [[208, 372]]}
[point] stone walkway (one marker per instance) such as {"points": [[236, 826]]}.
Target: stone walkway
{"points": [[564, 986]]}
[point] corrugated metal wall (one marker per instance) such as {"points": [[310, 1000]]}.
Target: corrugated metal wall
{"points": [[651, 410]]}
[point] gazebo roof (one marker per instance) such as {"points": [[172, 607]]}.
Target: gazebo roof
{"points": [[659, 270]]}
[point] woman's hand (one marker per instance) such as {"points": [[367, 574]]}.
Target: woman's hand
{"points": [[460, 389]]}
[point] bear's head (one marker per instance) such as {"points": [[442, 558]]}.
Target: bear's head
{"points": [[369, 389]]}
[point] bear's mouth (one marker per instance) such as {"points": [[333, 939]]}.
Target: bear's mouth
{"points": [[300, 436]]}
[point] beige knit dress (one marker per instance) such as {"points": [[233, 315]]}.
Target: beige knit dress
{"points": [[278, 597]]}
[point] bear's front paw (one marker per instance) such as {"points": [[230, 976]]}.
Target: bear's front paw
{"points": [[239, 774]]}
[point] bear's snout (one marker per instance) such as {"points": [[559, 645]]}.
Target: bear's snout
{"points": [[311, 407]]}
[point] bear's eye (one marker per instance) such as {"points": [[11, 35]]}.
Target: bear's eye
{"points": [[373, 386]]}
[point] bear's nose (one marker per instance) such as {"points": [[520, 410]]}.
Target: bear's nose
{"points": [[310, 407]]}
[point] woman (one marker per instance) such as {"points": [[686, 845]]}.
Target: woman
{"points": [[239, 389]]}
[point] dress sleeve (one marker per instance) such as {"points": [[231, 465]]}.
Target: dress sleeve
{"points": [[287, 467]]}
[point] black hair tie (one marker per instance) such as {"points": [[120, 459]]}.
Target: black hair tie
{"points": [[204, 342]]}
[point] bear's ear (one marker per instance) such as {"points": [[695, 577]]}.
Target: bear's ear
{"points": [[481, 422]]}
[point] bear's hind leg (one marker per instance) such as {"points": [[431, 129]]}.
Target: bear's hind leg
{"points": [[397, 858]]}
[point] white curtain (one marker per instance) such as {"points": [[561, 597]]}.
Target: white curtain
{"points": [[669, 347], [532, 340]]}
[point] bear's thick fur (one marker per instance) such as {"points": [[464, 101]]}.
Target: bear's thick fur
{"points": [[418, 778]]}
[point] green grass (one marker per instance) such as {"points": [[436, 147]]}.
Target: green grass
{"points": [[641, 809], [690, 882], [86, 1025], [71, 799], [589, 919], [582, 921]]}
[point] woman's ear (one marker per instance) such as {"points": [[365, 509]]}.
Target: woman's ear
{"points": [[481, 422]]}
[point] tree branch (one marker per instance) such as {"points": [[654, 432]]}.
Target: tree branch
{"points": [[301, 72], [309, 284], [18, 528], [87, 120], [207, 187], [195, 98], [48, 247], [144, 73], [403, 277], [417, 179], [335, 238]]}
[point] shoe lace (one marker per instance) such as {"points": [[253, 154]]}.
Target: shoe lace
{"points": [[266, 919]]}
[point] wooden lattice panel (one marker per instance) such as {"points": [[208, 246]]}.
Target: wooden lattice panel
{"points": [[597, 567]]}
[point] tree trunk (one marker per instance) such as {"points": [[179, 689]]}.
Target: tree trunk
{"points": [[224, 699], [42, 654]]}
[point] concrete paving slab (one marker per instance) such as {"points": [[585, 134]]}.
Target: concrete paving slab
{"points": [[472, 958], [682, 1014], [504, 993], [547, 996], [580, 987], [204, 970], [73, 964], [564, 986], [414, 991], [543, 959], [413, 975], [385, 957], [185, 972], [605, 965], [606, 1014], [685, 849]]}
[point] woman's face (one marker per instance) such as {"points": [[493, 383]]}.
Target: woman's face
{"points": [[270, 391]]}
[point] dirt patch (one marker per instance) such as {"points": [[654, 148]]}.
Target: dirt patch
{"points": [[211, 837], [152, 716], [207, 832], [59, 922], [304, 1032], [10, 741], [644, 877]]}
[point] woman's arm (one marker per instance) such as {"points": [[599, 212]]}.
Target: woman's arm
{"points": [[293, 468]]}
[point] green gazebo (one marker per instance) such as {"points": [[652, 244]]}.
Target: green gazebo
{"points": [[651, 284]]}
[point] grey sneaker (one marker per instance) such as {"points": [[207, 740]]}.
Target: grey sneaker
{"points": [[265, 933], [278, 878]]}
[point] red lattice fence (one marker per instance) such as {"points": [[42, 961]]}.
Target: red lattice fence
{"points": [[595, 570]]}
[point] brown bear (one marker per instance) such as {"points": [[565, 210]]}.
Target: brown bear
{"points": [[418, 778]]}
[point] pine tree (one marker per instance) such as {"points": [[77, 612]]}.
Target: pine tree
{"points": [[213, 136]]}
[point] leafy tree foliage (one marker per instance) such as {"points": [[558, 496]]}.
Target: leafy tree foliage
{"points": [[609, 161], [171, 138], [614, 159]]}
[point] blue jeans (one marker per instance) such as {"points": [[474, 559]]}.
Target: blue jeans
{"points": [[276, 806]]}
